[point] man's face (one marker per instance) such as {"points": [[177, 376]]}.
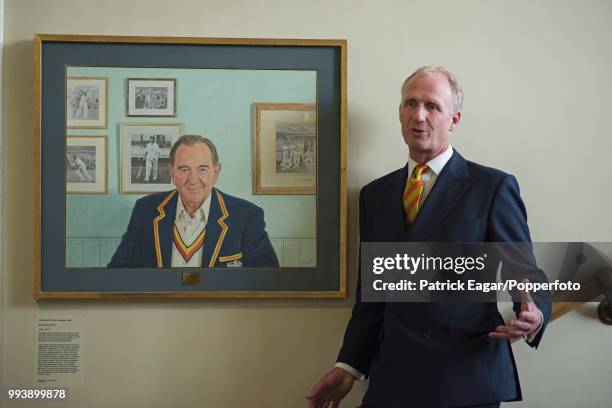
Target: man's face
{"points": [[427, 115], [193, 173]]}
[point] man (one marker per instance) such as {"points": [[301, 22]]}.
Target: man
{"points": [[151, 158], [431, 355], [81, 169], [195, 225]]}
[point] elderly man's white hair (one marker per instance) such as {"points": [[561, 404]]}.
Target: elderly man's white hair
{"points": [[439, 69]]}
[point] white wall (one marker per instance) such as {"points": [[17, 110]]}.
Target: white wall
{"points": [[537, 84], [1, 185]]}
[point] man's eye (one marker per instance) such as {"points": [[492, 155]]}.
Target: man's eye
{"points": [[432, 106]]}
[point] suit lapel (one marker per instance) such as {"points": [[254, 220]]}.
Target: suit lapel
{"points": [[393, 222], [448, 189], [216, 229], [162, 230]]}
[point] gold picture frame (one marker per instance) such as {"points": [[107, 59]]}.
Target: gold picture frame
{"points": [[285, 148], [315, 262], [86, 164], [133, 137], [86, 103]]}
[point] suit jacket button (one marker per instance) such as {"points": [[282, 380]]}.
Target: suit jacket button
{"points": [[427, 334]]}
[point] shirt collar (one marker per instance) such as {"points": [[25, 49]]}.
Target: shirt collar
{"points": [[201, 213], [436, 164]]}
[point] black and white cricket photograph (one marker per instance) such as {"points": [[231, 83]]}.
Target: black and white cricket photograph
{"points": [[81, 164], [296, 147], [145, 156], [86, 102], [151, 97], [86, 164]]}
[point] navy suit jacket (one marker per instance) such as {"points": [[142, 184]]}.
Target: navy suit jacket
{"points": [[439, 354], [235, 234]]}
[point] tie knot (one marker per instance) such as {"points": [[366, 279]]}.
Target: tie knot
{"points": [[418, 171]]}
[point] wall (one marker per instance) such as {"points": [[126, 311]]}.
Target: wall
{"points": [[536, 77], [1, 185]]}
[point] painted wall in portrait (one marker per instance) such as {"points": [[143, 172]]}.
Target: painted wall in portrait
{"points": [[215, 103]]}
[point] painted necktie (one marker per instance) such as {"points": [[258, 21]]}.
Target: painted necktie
{"points": [[412, 194], [187, 251]]}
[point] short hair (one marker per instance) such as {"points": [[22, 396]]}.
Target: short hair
{"points": [[452, 81], [190, 140]]}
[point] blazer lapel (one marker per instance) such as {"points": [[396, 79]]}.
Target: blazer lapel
{"points": [[393, 220], [449, 187], [216, 229], [162, 230]]}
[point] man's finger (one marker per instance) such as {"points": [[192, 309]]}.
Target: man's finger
{"points": [[530, 317], [513, 331], [502, 336], [523, 325], [526, 297]]}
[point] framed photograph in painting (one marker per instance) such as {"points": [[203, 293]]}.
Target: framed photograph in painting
{"points": [[86, 103], [86, 164], [145, 156], [285, 148], [299, 134], [153, 97]]}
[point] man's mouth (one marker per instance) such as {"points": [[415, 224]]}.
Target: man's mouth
{"points": [[419, 131]]}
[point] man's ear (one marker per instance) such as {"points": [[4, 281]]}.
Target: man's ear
{"points": [[171, 174], [455, 121], [217, 170]]}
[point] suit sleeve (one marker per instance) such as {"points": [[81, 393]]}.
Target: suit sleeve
{"points": [[364, 330], [129, 253], [508, 227], [256, 246]]}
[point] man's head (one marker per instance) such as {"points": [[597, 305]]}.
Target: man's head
{"points": [[194, 168], [430, 109]]}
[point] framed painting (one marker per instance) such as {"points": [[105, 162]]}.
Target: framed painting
{"points": [[285, 148], [145, 156], [282, 234], [86, 160], [151, 97], [86, 103]]}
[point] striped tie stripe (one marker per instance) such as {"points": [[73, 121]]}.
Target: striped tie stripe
{"points": [[412, 193]]}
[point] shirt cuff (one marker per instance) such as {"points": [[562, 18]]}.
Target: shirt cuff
{"points": [[359, 376], [529, 337]]}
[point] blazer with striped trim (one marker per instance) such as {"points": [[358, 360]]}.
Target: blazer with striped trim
{"points": [[235, 234]]}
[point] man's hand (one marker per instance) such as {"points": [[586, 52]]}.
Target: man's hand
{"points": [[529, 320], [331, 389]]}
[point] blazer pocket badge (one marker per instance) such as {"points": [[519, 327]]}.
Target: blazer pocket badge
{"points": [[232, 261]]}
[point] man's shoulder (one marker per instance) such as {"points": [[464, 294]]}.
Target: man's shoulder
{"points": [[236, 203], [482, 172], [397, 176]]}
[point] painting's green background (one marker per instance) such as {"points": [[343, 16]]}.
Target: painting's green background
{"points": [[215, 103]]}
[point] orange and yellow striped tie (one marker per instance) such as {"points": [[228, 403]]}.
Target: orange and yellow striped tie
{"points": [[412, 193]]}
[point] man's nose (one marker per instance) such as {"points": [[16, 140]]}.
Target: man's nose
{"points": [[420, 113], [192, 177]]}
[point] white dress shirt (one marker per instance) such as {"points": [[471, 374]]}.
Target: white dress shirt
{"points": [[189, 229]]}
